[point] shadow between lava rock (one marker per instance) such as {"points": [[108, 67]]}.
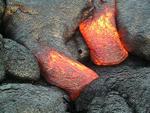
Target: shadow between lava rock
{"points": [[2, 8], [2, 70]]}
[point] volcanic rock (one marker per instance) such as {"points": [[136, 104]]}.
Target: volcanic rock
{"points": [[46, 22], [27, 98], [2, 71], [134, 26], [19, 62], [131, 83], [112, 103]]}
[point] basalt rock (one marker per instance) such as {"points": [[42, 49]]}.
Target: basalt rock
{"points": [[27, 98], [134, 25], [131, 83], [112, 103], [19, 62], [2, 71], [46, 22]]}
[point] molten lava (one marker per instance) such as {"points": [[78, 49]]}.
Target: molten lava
{"points": [[102, 38], [64, 72]]}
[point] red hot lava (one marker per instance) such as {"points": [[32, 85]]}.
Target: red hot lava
{"points": [[102, 38], [64, 72]]}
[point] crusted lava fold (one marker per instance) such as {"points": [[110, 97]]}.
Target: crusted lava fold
{"points": [[102, 38]]}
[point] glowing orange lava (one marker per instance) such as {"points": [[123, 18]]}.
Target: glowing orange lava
{"points": [[102, 38], [64, 72]]}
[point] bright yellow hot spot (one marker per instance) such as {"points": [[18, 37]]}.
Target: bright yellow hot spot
{"points": [[104, 23], [55, 57]]}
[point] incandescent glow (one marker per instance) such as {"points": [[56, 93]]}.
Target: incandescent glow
{"points": [[102, 38], [103, 23], [64, 72]]}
